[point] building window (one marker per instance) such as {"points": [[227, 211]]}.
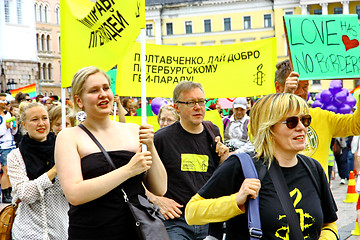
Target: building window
{"points": [[7, 11], [338, 10], [43, 43], [247, 22], [207, 25], [289, 13], [227, 24], [57, 12], [37, 42], [19, 11], [149, 30], [316, 82], [46, 14], [267, 20], [49, 71], [169, 29], [48, 42], [59, 44], [318, 11], [357, 10], [44, 71], [188, 27], [35, 9], [40, 13]]}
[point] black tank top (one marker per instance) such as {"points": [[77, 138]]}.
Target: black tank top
{"points": [[107, 217]]}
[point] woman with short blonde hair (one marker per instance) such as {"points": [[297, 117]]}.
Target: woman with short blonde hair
{"points": [[278, 125]]}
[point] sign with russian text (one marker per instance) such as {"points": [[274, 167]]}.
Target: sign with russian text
{"points": [[97, 34], [234, 70], [324, 46]]}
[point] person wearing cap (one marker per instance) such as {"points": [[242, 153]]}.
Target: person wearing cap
{"points": [[235, 128]]}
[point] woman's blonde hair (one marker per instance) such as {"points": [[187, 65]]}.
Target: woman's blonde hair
{"points": [[77, 84], [25, 106], [268, 111]]}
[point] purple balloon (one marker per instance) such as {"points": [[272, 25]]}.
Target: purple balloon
{"points": [[316, 104], [346, 91], [317, 96], [332, 108], [345, 109], [325, 96], [339, 98], [351, 101], [335, 86], [156, 104]]}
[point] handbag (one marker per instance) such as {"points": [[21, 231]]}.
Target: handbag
{"points": [[146, 217], [7, 216]]}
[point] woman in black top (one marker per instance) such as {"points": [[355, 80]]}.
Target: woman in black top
{"points": [[98, 210], [278, 126]]}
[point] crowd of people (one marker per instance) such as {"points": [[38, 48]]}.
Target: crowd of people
{"points": [[68, 190]]}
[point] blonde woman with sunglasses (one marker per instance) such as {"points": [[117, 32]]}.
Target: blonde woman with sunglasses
{"points": [[278, 126]]}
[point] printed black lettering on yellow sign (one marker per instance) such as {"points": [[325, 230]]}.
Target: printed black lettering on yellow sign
{"points": [[324, 46], [97, 33], [232, 70], [194, 162]]}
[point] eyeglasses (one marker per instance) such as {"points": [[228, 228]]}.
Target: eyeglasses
{"points": [[163, 120], [28, 99], [292, 122], [193, 103]]}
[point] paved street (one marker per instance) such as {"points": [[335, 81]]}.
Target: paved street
{"points": [[347, 211]]}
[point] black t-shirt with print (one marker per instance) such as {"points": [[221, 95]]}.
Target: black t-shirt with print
{"points": [[312, 211], [187, 158]]}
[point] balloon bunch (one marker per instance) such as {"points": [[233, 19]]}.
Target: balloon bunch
{"points": [[157, 103], [336, 99]]}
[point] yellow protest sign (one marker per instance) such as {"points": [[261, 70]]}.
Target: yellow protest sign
{"points": [[234, 70], [97, 34]]}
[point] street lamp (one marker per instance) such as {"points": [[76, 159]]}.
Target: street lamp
{"points": [[13, 84]]}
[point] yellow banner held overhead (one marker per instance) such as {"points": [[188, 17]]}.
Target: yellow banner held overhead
{"points": [[97, 34], [234, 70]]}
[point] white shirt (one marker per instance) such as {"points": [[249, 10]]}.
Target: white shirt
{"points": [[42, 212], [6, 134]]}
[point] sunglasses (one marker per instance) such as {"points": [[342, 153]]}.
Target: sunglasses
{"points": [[292, 122]]}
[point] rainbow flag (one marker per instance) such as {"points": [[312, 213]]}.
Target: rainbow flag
{"points": [[30, 89]]}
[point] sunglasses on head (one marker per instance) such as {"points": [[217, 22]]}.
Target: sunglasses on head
{"points": [[292, 122]]}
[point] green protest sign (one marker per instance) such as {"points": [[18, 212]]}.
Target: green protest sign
{"points": [[324, 46], [112, 74]]}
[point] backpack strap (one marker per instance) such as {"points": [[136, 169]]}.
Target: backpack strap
{"points": [[312, 170], [253, 211], [210, 129]]}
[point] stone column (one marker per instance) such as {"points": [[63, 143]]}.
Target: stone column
{"points": [[304, 10], [324, 8], [345, 7]]}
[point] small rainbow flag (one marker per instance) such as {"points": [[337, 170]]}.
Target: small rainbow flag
{"points": [[30, 89]]}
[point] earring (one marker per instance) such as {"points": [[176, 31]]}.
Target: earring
{"points": [[81, 116]]}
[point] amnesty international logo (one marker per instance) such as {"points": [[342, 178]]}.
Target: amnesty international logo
{"points": [[312, 142], [306, 220]]}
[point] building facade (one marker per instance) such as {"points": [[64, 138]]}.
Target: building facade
{"points": [[47, 17], [19, 64], [214, 22]]}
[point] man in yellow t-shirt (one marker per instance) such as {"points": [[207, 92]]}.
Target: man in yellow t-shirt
{"points": [[325, 125]]}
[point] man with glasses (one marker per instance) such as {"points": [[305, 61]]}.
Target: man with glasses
{"points": [[325, 125], [7, 144], [190, 155]]}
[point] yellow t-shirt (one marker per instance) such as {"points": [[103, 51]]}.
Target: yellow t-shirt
{"points": [[326, 125]]}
